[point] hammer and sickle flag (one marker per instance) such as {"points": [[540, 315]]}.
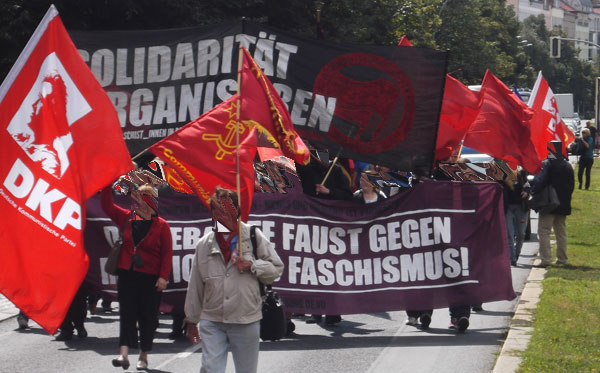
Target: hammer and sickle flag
{"points": [[203, 153], [61, 142]]}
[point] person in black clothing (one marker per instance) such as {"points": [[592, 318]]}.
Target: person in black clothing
{"points": [[75, 317], [336, 186], [558, 172]]}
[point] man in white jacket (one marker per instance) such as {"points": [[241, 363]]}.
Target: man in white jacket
{"points": [[223, 294]]}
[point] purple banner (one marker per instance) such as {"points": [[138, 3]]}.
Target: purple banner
{"points": [[436, 244]]}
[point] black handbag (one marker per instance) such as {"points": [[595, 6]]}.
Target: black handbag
{"points": [[111, 265], [273, 323], [544, 201]]}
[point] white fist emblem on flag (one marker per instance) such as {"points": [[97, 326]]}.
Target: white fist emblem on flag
{"points": [[41, 124]]}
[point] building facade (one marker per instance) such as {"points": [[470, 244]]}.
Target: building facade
{"points": [[577, 19]]}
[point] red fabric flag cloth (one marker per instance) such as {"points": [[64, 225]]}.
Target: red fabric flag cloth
{"points": [[564, 133], [262, 107], [460, 107], [547, 124], [203, 153], [502, 127], [61, 142], [404, 42]]}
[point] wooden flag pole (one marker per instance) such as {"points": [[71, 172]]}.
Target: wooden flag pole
{"points": [[237, 146], [459, 150], [329, 170]]}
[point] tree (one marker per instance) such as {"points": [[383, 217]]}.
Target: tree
{"points": [[567, 74], [480, 35]]}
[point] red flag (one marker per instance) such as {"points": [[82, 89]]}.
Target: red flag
{"points": [[502, 127], [547, 124], [61, 142], [460, 107], [262, 107], [203, 154], [174, 180], [404, 42]]}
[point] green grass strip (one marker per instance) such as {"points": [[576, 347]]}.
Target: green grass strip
{"points": [[566, 336]]}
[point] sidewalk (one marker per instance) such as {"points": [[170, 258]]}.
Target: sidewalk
{"points": [[521, 325], [7, 309]]}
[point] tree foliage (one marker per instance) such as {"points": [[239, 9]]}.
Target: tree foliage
{"points": [[567, 74], [479, 34]]}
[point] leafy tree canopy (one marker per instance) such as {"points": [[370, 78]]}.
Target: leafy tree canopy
{"points": [[479, 34]]}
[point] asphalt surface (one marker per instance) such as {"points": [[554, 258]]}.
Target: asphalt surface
{"points": [[360, 343]]}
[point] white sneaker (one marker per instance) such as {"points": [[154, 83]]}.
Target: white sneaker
{"points": [[412, 321]]}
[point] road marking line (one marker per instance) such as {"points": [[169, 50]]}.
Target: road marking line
{"points": [[182, 355], [385, 354]]}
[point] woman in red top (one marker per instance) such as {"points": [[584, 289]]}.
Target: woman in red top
{"points": [[143, 269]]}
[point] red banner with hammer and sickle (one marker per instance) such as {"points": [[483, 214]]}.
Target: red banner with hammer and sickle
{"points": [[203, 153]]}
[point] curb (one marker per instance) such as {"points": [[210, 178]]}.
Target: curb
{"points": [[521, 325]]}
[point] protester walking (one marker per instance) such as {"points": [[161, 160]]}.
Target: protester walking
{"points": [[516, 192], [368, 192], [586, 160], [143, 269], [223, 294], [75, 317], [556, 171], [328, 180]]}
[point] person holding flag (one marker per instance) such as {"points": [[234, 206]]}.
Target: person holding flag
{"points": [[143, 269], [223, 294]]}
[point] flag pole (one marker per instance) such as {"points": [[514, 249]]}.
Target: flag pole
{"points": [[329, 170], [460, 150], [237, 145]]}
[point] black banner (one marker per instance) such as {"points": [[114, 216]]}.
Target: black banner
{"points": [[373, 103]]}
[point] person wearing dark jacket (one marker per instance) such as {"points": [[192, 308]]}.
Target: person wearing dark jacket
{"points": [[558, 172], [336, 186]]}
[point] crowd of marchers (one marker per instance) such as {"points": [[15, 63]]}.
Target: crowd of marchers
{"points": [[223, 303]]}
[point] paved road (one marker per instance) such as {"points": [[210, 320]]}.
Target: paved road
{"points": [[360, 343]]}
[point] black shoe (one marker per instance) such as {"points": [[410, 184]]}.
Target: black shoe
{"points": [[81, 332], [513, 263], [314, 319], [121, 362], [477, 308], [175, 334], [463, 324], [22, 321], [425, 321], [332, 319], [63, 336], [106, 306], [290, 327]]}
